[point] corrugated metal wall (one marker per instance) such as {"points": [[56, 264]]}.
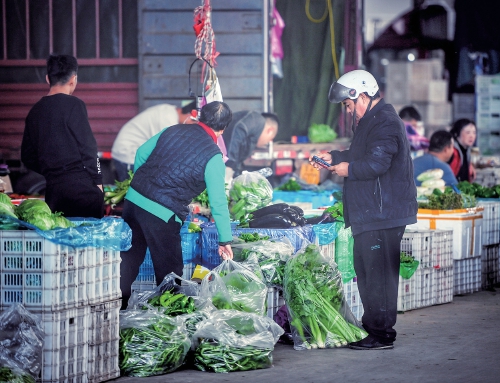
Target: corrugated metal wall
{"points": [[166, 51]]}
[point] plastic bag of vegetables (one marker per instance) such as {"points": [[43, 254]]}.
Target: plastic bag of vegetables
{"points": [[230, 340], [271, 256], [151, 343], [249, 191], [320, 316], [232, 286]]}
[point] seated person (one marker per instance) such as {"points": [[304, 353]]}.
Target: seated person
{"points": [[440, 151]]}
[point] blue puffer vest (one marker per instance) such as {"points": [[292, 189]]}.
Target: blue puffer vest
{"points": [[174, 173]]}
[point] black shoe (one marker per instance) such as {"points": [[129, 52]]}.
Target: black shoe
{"points": [[370, 343]]}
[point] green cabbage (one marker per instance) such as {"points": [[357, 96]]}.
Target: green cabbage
{"points": [[321, 133], [38, 213], [61, 222], [6, 206]]}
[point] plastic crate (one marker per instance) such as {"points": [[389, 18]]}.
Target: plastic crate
{"points": [[444, 285], [40, 274], [65, 348], [418, 244], [408, 296], [274, 301], [146, 270], [103, 344], [490, 266], [103, 277], [210, 240], [491, 221], [466, 275], [442, 249], [143, 286], [353, 299], [317, 199], [426, 287], [466, 226]]}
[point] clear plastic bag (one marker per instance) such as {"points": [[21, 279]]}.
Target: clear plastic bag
{"points": [[230, 340], [320, 316], [21, 341], [249, 191], [271, 256], [151, 343], [232, 286]]}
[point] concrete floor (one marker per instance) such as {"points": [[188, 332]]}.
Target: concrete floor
{"points": [[454, 342]]}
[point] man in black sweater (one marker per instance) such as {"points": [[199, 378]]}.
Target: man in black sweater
{"points": [[58, 143]]}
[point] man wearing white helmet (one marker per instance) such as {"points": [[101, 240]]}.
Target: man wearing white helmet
{"points": [[379, 199]]}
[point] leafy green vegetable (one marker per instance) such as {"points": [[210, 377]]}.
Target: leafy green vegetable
{"points": [[449, 200], [314, 295], [38, 213], [6, 206], [193, 228], [336, 210], [321, 133], [479, 191], [290, 185], [173, 304], [248, 194], [116, 195], [202, 199], [247, 237], [7, 375]]}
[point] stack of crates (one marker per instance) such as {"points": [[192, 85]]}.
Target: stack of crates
{"points": [[490, 266], [467, 243], [76, 293], [432, 282]]}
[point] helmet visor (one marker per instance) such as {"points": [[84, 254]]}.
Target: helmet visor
{"points": [[339, 93]]}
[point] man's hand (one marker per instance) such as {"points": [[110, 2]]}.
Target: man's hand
{"points": [[341, 169], [325, 156]]}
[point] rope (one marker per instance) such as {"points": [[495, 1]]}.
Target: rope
{"points": [[206, 36], [328, 11]]}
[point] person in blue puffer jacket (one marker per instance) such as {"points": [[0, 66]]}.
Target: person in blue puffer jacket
{"points": [[379, 197]]}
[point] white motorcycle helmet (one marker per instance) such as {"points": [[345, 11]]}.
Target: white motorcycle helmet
{"points": [[351, 85]]}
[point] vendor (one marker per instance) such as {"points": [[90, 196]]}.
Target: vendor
{"points": [[464, 132], [172, 168], [248, 130], [440, 152], [141, 128]]}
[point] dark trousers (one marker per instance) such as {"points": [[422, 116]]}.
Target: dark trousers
{"points": [[376, 262], [162, 238], [78, 197]]}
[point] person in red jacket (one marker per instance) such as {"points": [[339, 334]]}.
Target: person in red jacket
{"points": [[464, 132]]}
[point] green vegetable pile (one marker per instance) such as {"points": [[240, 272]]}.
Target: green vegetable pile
{"points": [[7, 375], [116, 195], [194, 228], [336, 210], [408, 265], [202, 199], [290, 185], [321, 133], [249, 192], [154, 347], [247, 237], [447, 200], [173, 304], [38, 213], [314, 295], [479, 191], [210, 355]]}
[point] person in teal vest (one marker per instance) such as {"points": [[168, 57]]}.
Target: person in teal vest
{"points": [[171, 169]]}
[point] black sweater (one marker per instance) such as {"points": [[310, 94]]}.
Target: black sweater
{"points": [[58, 141]]}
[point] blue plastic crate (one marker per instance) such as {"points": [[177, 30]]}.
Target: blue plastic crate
{"points": [[210, 258], [318, 199], [146, 270]]}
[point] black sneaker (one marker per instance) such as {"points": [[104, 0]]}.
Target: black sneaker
{"points": [[370, 343]]}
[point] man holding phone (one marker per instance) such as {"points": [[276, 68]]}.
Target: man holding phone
{"points": [[379, 199]]}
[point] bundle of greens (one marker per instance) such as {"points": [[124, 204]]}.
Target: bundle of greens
{"points": [[270, 255], [151, 343], [314, 295], [12, 376], [249, 191], [447, 200], [321, 133], [234, 341], [233, 286], [290, 185], [116, 194], [172, 304], [479, 191], [38, 213], [407, 265], [247, 237]]}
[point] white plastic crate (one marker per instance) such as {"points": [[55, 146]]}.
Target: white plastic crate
{"points": [[490, 266], [466, 275], [418, 291], [328, 250], [444, 285], [143, 286], [491, 221], [353, 299], [104, 339], [65, 349], [418, 244], [442, 249], [40, 274], [466, 226], [427, 287], [274, 301], [408, 297], [103, 276]]}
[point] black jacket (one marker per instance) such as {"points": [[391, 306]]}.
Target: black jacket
{"points": [[379, 192]]}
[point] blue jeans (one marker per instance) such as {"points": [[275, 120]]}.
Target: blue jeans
{"points": [[121, 169]]}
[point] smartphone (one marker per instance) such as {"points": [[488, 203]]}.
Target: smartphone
{"points": [[321, 161]]}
